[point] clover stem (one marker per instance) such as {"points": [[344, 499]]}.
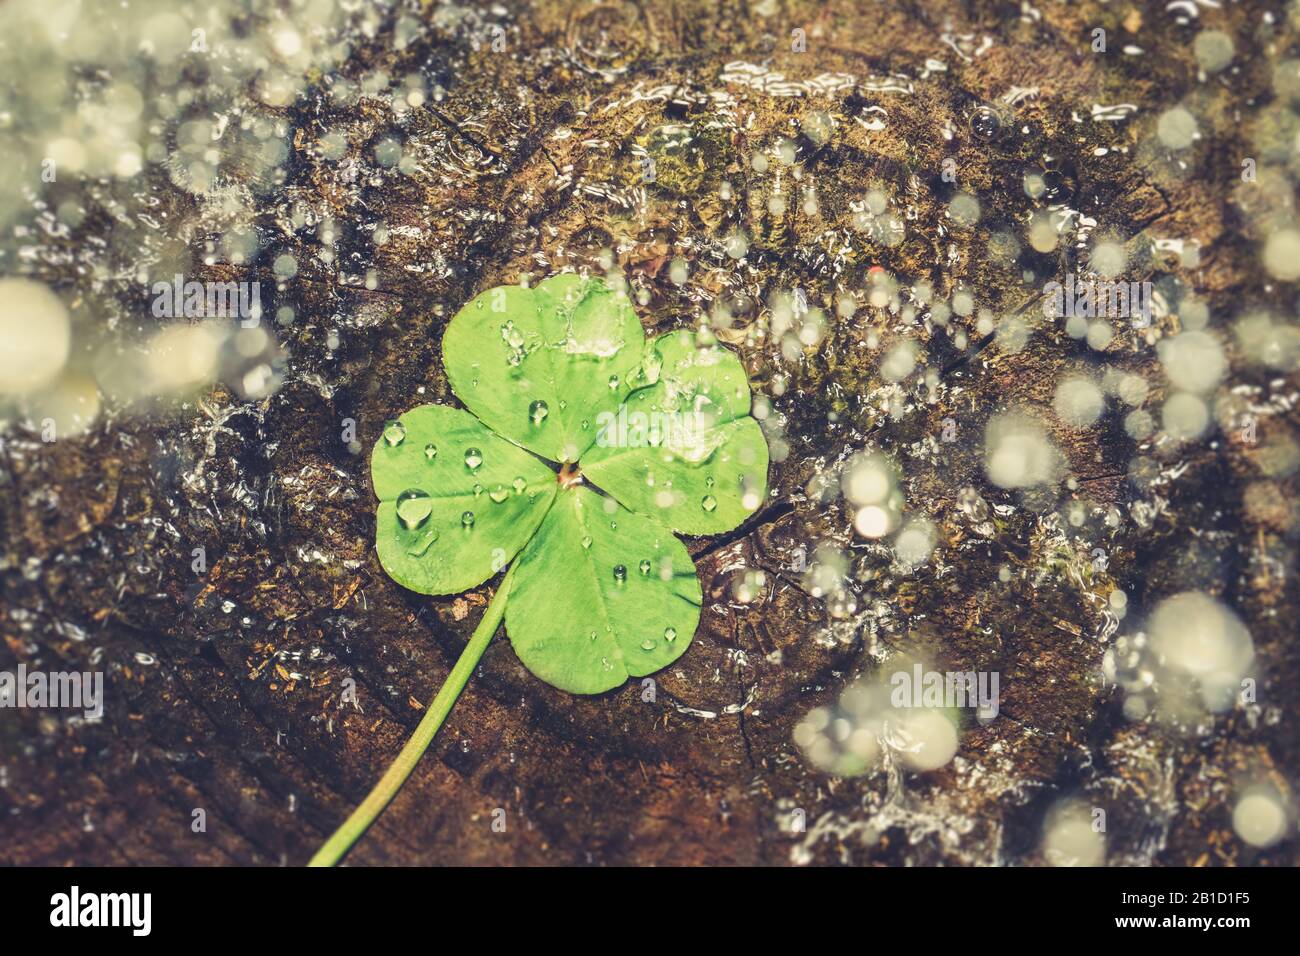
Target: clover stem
{"points": [[363, 816]]}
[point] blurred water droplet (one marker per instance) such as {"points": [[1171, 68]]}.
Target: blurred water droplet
{"points": [[985, 123]]}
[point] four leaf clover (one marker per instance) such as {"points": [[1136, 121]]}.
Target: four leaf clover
{"points": [[583, 449]]}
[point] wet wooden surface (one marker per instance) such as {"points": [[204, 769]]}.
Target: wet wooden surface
{"points": [[225, 688]]}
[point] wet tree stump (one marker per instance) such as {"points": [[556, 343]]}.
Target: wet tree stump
{"points": [[225, 688]]}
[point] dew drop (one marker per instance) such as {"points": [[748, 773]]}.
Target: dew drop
{"points": [[644, 566], [499, 494], [1058, 186], [431, 451], [473, 458], [519, 485], [429, 537], [394, 432], [670, 634], [647, 645], [620, 573], [613, 383], [985, 123], [467, 519], [413, 508], [538, 411], [709, 503], [586, 541]]}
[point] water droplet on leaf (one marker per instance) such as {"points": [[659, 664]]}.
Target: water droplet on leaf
{"points": [[428, 538], [394, 432], [413, 508]]}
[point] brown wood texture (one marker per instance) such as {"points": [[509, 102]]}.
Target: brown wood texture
{"points": [[224, 688]]}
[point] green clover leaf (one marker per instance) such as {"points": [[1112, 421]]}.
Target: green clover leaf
{"points": [[601, 593], [538, 365], [702, 466], [455, 501], [584, 448]]}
